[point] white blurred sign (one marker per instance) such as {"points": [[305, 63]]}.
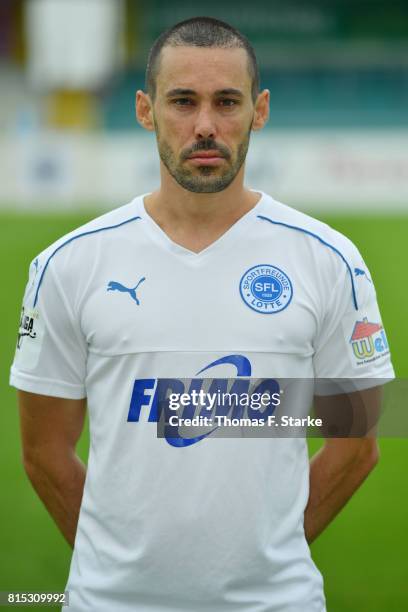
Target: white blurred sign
{"points": [[72, 44], [341, 171]]}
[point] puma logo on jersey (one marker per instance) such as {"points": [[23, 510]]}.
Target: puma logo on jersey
{"points": [[115, 286], [359, 272]]}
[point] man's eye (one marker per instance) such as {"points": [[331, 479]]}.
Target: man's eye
{"points": [[182, 101], [228, 102]]}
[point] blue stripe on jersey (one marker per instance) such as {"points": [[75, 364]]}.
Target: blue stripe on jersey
{"points": [[327, 244], [101, 229]]}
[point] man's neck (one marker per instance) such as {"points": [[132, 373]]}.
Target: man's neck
{"points": [[196, 220]]}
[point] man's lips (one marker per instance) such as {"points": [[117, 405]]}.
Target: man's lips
{"points": [[206, 158]]}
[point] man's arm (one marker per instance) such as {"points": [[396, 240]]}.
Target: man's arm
{"points": [[341, 466], [50, 429]]}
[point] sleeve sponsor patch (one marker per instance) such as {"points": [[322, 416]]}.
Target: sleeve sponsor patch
{"points": [[365, 337], [29, 340]]}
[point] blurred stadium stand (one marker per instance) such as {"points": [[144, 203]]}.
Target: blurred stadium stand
{"points": [[338, 65]]}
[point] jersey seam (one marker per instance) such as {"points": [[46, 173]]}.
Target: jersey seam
{"points": [[68, 308], [69, 240], [212, 350], [322, 241], [327, 313]]}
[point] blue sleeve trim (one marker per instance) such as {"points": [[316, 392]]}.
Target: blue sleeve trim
{"points": [[327, 244], [61, 246]]}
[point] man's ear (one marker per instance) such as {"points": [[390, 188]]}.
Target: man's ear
{"points": [[261, 112], [144, 110]]}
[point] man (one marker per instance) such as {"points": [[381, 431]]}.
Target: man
{"points": [[200, 278]]}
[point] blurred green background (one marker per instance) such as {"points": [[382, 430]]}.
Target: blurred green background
{"points": [[338, 67]]}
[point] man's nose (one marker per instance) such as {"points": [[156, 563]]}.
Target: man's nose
{"points": [[205, 124]]}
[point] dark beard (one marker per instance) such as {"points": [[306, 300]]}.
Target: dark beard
{"points": [[202, 183]]}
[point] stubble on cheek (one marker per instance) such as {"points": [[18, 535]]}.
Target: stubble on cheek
{"points": [[202, 179]]}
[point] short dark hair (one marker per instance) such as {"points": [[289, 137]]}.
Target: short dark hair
{"points": [[200, 32]]}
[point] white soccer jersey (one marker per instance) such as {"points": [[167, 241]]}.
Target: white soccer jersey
{"points": [[209, 524]]}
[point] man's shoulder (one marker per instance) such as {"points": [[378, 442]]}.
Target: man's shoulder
{"points": [[302, 224], [112, 220]]}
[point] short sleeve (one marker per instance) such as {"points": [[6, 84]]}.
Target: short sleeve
{"points": [[51, 352], [352, 343]]}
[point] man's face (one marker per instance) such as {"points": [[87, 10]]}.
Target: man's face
{"points": [[203, 112]]}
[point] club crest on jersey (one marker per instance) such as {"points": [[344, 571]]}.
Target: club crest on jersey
{"points": [[266, 289], [368, 341]]}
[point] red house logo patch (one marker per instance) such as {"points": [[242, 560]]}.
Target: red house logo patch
{"points": [[368, 341]]}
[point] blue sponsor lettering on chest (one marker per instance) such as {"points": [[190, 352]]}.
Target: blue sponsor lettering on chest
{"points": [[153, 394]]}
